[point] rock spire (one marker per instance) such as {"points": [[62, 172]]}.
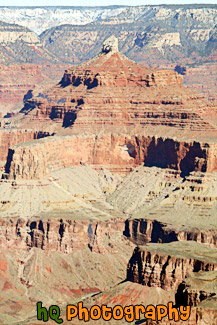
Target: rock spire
{"points": [[110, 45]]}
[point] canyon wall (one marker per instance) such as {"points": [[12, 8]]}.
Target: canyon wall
{"points": [[60, 235], [41, 157], [9, 138], [187, 296], [162, 270], [168, 153], [118, 153], [101, 77], [141, 231]]}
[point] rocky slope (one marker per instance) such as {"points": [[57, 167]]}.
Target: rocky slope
{"points": [[86, 242], [31, 276], [20, 44]]}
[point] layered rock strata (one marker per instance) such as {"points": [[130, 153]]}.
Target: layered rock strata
{"points": [[62, 235], [167, 265], [160, 121], [21, 82], [9, 138], [118, 153], [141, 231], [111, 113]]}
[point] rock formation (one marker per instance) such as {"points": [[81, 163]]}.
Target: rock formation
{"points": [[110, 45], [161, 121], [65, 236], [115, 155], [149, 266]]}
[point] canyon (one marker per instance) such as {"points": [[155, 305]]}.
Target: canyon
{"points": [[109, 192], [47, 39], [162, 36]]}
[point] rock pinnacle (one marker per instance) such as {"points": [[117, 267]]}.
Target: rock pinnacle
{"points": [[110, 45]]}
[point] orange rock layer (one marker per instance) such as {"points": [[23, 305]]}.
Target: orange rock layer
{"points": [[158, 270], [115, 152], [117, 114]]}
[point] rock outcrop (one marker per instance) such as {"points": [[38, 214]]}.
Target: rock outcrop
{"points": [[59, 152], [110, 45], [115, 152], [64, 236], [141, 231], [160, 121], [9, 138], [187, 296], [167, 265]]}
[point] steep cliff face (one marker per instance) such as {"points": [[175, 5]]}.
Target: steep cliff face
{"points": [[160, 121], [63, 196], [152, 268], [86, 94], [141, 231], [187, 296], [59, 152], [64, 236], [117, 153], [9, 138], [131, 74], [167, 153], [87, 256], [114, 92]]}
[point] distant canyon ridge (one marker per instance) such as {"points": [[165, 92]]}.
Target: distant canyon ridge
{"points": [[46, 40]]}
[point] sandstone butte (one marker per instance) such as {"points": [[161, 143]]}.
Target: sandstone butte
{"points": [[108, 193]]}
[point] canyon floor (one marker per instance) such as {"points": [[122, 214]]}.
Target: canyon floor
{"points": [[109, 193]]}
